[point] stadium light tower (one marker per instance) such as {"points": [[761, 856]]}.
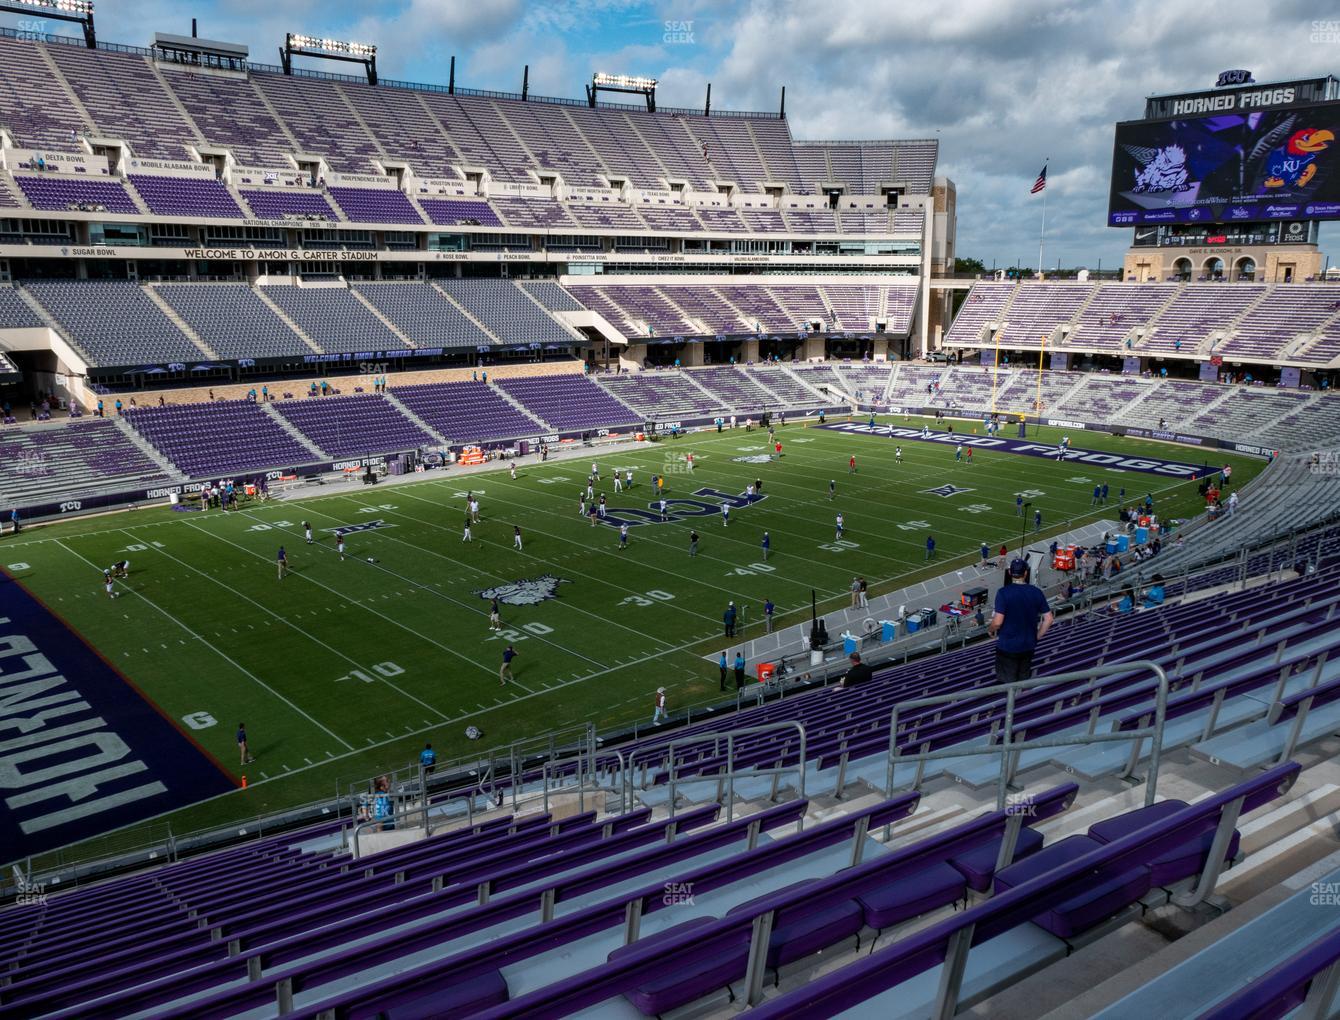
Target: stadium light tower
{"points": [[78, 11], [328, 49], [600, 81]]}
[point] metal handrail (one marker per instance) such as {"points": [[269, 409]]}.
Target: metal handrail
{"points": [[728, 776], [1008, 748], [423, 810], [582, 787]]}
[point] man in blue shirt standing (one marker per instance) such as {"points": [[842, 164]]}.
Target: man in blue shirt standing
{"points": [[930, 547], [768, 610], [427, 759], [1020, 619]]}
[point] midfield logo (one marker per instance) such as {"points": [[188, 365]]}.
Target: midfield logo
{"points": [[353, 529], [530, 591], [679, 509], [946, 490], [757, 458]]}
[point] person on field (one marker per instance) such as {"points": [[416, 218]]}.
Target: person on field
{"points": [[505, 671]]}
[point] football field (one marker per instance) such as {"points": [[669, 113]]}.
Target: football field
{"points": [[347, 666]]}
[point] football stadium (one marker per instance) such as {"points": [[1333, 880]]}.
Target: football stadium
{"points": [[472, 553]]}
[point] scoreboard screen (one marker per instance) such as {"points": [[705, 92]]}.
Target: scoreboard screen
{"points": [[1281, 164]]}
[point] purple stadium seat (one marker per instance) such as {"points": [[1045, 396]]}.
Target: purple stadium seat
{"points": [[1174, 865], [463, 999], [978, 865], [1110, 891], [906, 896], [690, 978], [800, 931]]}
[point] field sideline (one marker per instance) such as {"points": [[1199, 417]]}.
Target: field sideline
{"points": [[346, 668]]}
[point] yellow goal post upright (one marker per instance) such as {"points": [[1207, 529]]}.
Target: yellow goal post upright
{"points": [[1042, 355]]}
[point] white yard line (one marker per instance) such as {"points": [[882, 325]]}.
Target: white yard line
{"points": [[363, 606], [309, 636], [231, 661]]}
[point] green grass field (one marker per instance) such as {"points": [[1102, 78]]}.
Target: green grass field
{"points": [[346, 668]]}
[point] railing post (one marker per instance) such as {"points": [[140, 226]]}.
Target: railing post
{"points": [[1156, 745], [284, 996], [671, 763], [758, 958], [1296, 730], [951, 974], [730, 776], [1321, 995], [1214, 863], [512, 773], [1006, 739], [632, 921]]}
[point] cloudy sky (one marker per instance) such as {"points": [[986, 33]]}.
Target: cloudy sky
{"points": [[1002, 84]]}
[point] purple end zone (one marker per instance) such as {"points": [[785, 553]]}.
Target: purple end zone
{"points": [[998, 444], [82, 751]]}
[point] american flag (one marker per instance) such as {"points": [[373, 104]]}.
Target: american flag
{"points": [[1041, 182]]}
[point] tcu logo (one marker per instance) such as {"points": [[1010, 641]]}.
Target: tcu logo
{"points": [[70, 505], [1235, 77]]}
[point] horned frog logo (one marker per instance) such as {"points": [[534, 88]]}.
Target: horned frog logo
{"points": [[1164, 170], [529, 591]]}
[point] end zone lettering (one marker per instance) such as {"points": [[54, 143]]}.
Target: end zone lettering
{"points": [[80, 751], [1147, 465]]}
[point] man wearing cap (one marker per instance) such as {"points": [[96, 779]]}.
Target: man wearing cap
{"points": [[1021, 618], [660, 712], [728, 619], [858, 674]]}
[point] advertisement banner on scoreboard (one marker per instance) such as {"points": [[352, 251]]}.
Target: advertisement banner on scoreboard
{"points": [[1260, 165]]}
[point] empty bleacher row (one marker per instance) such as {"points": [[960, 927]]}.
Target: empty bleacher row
{"points": [[698, 309], [52, 463], [215, 439], [118, 323], [196, 198], [1292, 322], [856, 905], [167, 111], [1271, 416]]}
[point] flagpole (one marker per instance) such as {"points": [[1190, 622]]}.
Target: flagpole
{"points": [[1042, 235]]}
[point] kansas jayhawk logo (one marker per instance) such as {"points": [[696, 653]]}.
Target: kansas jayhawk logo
{"points": [[528, 592], [1294, 164]]}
